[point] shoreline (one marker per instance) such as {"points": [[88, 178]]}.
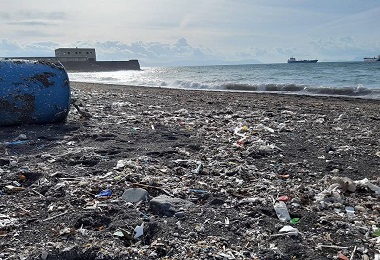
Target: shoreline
{"points": [[264, 92], [219, 159]]}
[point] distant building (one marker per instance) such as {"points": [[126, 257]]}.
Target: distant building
{"points": [[75, 54], [84, 59], [66, 55]]}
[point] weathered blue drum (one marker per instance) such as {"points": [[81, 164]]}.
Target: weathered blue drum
{"points": [[33, 92]]}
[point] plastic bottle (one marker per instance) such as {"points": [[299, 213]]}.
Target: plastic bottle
{"points": [[282, 211]]}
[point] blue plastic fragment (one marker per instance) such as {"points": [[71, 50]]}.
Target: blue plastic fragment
{"points": [[198, 191], [17, 142], [104, 193]]}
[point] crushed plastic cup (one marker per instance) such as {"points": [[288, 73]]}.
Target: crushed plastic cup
{"points": [[281, 211]]}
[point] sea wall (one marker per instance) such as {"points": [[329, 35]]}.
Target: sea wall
{"points": [[101, 65]]}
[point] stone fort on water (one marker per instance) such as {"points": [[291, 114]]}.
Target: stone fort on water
{"points": [[83, 60]]}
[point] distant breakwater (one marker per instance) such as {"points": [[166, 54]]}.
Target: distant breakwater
{"points": [[95, 66]]}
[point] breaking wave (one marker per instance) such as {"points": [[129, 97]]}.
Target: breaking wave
{"points": [[328, 79], [358, 91]]}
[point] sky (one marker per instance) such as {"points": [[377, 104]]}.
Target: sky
{"points": [[193, 32]]}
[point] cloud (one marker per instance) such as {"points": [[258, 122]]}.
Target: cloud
{"points": [[7, 47], [36, 33], [342, 46], [33, 15], [37, 49], [150, 52], [21, 19], [5, 15], [41, 15], [32, 23]]}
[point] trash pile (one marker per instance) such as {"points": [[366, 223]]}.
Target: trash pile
{"points": [[158, 173]]}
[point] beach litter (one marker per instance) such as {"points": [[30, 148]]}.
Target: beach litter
{"points": [[104, 194], [287, 231], [216, 177], [33, 92], [282, 211]]}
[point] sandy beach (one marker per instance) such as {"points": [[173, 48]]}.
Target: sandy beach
{"points": [[212, 163]]}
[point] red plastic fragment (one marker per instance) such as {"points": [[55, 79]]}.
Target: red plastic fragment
{"points": [[342, 256], [283, 198]]}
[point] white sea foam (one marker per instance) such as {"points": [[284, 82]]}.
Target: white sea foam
{"points": [[347, 79]]}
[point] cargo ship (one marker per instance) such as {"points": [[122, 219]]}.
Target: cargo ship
{"points": [[293, 60], [84, 60], [374, 59]]}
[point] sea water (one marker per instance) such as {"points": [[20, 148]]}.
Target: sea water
{"points": [[357, 79]]}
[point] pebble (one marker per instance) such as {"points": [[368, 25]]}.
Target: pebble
{"points": [[135, 195], [168, 206], [179, 214]]}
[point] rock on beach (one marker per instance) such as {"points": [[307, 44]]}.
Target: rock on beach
{"points": [[191, 175]]}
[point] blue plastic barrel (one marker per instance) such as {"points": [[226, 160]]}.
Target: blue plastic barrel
{"points": [[33, 92]]}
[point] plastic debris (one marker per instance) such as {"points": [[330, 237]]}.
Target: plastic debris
{"points": [[17, 142], [66, 231], [342, 257], [104, 193], [124, 234], [139, 231], [198, 169], [198, 191], [118, 234], [350, 210], [226, 221], [21, 137], [295, 220], [12, 188], [250, 200], [282, 211], [287, 230], [66, 170], [365, 182], [283, 198], [376, 233]]}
